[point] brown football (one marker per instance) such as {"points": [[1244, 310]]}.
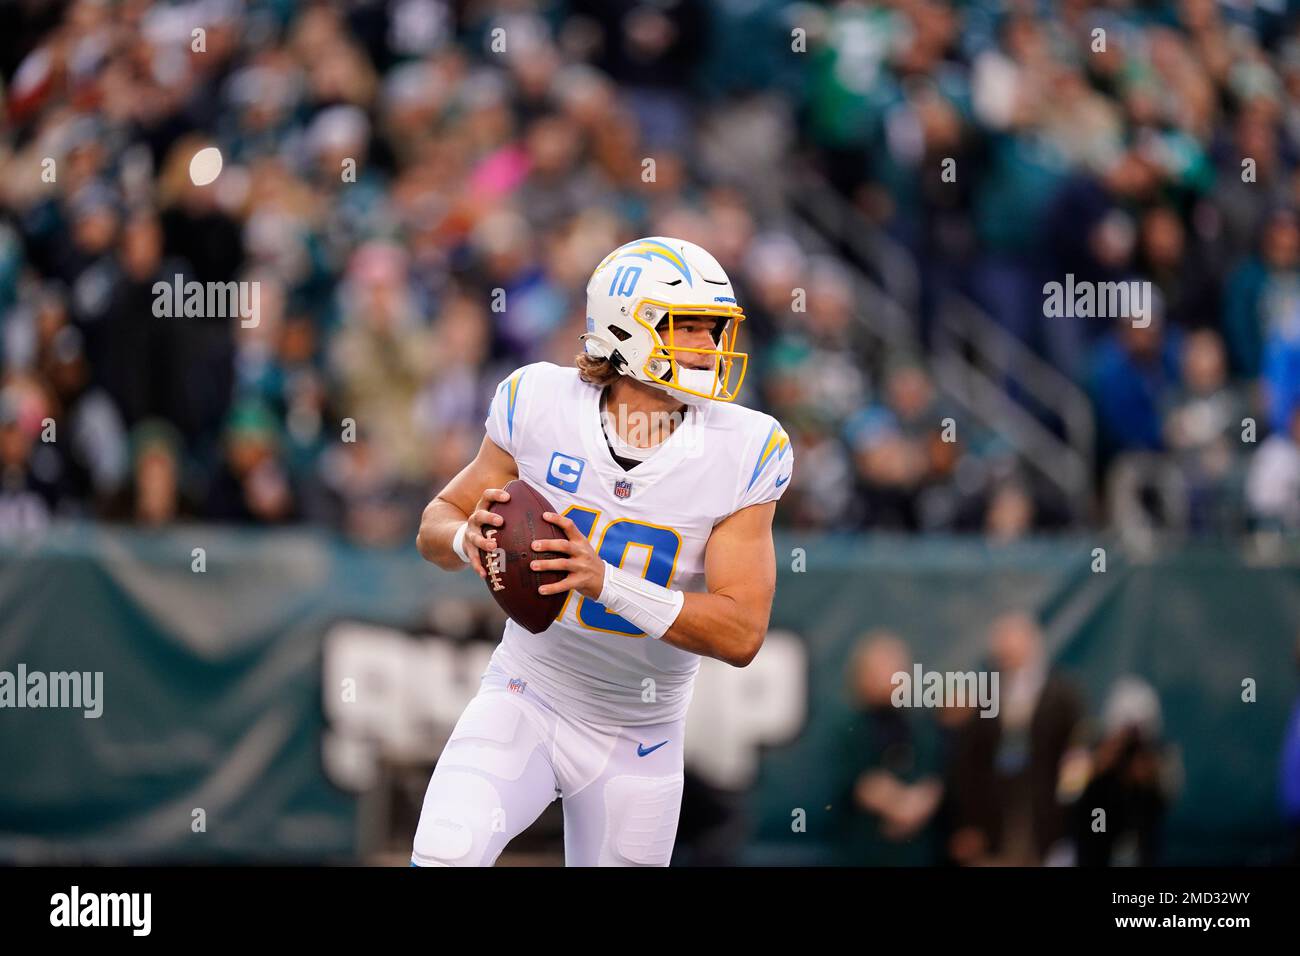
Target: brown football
{"points": [[511, 579]]}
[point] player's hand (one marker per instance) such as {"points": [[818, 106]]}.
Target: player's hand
{"points": [[481, 520], [586, 569]]}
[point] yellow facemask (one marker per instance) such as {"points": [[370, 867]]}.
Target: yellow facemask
{"points": [[729, 365]]}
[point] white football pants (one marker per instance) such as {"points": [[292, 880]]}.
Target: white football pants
{"points": [[512, 753]]}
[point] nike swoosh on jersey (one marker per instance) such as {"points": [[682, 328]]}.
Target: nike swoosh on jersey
{"points": [[642, 749], [782, 481]]}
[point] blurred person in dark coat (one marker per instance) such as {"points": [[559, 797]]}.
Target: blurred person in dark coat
{"points": [[1005, 769], [1130, 776], [253, 485], [891, 763], [91, 454]]}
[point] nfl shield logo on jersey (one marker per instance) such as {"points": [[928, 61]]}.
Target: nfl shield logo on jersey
{"points": [[516, 686], [622, 489]]}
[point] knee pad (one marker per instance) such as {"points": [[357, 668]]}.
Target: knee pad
{"points": [[641, 819], [463, 810], [456, 823]]}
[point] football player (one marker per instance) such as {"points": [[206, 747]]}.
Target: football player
{"points": [[664, 492]]}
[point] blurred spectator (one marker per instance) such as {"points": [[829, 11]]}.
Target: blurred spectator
{"points": [[1178, 268], [1203, 429], [91, 453], [364, 498], [252, 484], [1133, 376], [646, 49], [1273, 482], [1094, 236], [1263, 317], [156, 488], [1010, 513], [892, 763], [1130, 777], [29, 491], [1006, 769], [903, 458], [137, 356], [383, 352], [817, 355]]}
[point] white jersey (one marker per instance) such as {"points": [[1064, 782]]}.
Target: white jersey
{"points": [[654, 520]]}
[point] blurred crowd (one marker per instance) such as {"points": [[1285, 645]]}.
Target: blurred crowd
{"points": [[1104, 141], [421, 189]]}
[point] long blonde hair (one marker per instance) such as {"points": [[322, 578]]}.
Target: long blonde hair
{"points": [[595, 371]]}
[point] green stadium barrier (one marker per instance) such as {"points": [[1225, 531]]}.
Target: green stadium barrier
{"points": [[212, 692]]}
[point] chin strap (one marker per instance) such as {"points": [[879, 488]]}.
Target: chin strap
{"points": [[599, 348]]}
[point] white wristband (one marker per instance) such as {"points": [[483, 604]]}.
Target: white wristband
{"points": [[458, 541], [649, 606]]}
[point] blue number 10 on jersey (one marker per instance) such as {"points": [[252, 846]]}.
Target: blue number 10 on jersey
{"points": [[662, 545]]}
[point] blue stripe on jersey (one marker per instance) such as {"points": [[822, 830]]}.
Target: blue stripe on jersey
{"points": [[774, 446], [511, 399]]}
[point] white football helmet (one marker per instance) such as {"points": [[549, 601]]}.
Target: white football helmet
{"points": [[641, 285]]}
